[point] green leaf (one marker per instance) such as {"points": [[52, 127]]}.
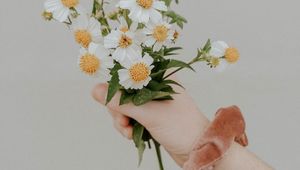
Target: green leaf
{"points": [[167, 2], [138, 131], [177, 63], [143, 96], [172, 82], [113, 87], [160, 94], [96, 7], [176, 18], [156, 86], [113, 84], [125, 98], [170, 51], [207, 46]]}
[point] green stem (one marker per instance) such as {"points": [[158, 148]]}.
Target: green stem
{"points": [[98, 8], [196, 59], [158, 153]]}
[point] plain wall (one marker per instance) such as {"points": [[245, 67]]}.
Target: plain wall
{"points": [[49, 121]]}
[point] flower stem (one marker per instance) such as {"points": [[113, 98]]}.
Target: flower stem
{"points": [[158, 153], [196, 59], [99, 14]]}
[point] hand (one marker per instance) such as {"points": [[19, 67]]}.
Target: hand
{"points": [[175, 124]]}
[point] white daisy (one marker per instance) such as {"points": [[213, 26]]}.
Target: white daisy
{"points": [[223, 55], [61, 9], [124, 26], [144, 10], [86, 30], [95, 61], [158, 34], [127, 46], [136, 74]]}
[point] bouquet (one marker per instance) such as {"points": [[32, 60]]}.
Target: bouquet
{"points": [[132, 49]]}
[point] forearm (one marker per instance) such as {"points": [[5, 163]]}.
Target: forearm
{"points": [[239, 158]]}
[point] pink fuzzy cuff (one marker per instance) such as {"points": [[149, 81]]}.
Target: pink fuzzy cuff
{"points": [[227, 127]]}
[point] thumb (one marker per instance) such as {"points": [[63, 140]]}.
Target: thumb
{"points": [[139, 113]]}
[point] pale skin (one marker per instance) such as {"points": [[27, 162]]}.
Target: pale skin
{"points": [[176, 125]]}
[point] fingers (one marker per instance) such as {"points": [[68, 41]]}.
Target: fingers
{"points": [[121, 123], [130, 110], [120, 118]]}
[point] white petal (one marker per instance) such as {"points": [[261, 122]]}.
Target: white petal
{"points": [[148, 59], [52, 5], [94, 26], [80, 23], [132, 54], [97, 38], [92, 48], [104, 75], [123, 74], [61, 14], [221, 67], [146, 82], [220, 45], [126, 4], [215, 52], [134, 26], [147, 31], [160, 5], [127, 84], [155, 16], [119, 54], [144, 16], [136, 13], [157, 46], [81, 10], [112, 40], [149, 41]]}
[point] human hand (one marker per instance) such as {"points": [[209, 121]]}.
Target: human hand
{"points": [[175, 124]]}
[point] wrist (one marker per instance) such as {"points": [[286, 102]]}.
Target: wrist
{"points": [[190, 137]]}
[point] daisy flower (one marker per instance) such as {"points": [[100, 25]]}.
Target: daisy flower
{"points": [[144, 10], [158, 34], [126, 44], [61, 9], [136, 74], [95, 61], [86, 30], [222, 55]]}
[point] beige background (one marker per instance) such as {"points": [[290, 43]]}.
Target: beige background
{"points": [[48, 120]]}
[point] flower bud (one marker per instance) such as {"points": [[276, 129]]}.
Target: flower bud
{"points": [[48, 16]]}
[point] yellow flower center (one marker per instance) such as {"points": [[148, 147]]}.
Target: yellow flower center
{"points": [[83, 37], [125, 41], [215, 61], [232, 55], [139, 72], [124, 29], [145, 3], [89, 64], [160, 33], [70, 3]]}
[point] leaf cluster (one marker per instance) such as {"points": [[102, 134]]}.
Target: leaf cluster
{"points": [[176, 18], [158, 88]]}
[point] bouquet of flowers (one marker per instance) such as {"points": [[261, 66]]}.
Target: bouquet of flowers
{"points": [[131, 49]]}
